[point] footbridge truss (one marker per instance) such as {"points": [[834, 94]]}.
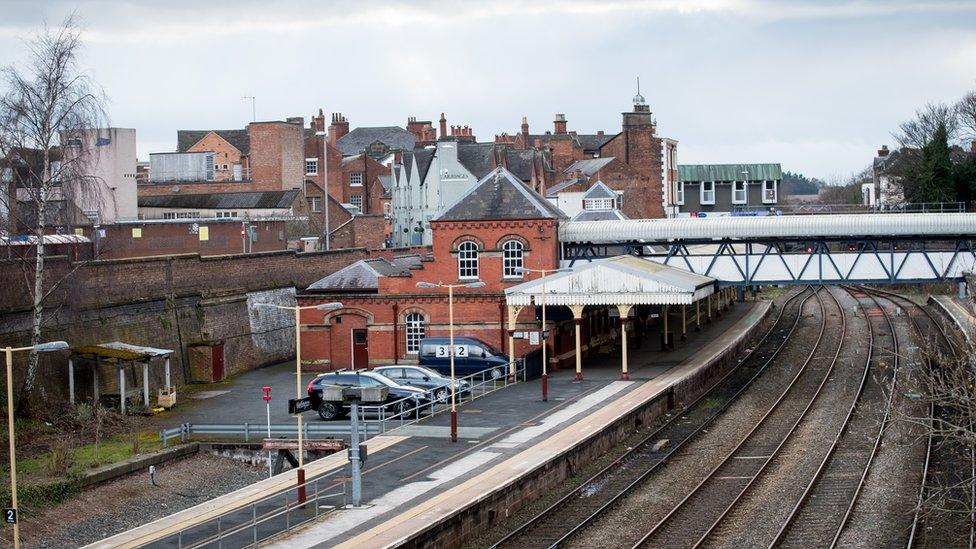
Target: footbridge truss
{"points": [[855, 248]]}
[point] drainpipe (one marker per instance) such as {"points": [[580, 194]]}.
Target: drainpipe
{"points": [[396, 337]]}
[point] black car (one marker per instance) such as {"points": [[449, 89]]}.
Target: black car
{"points": [[334, 410]]}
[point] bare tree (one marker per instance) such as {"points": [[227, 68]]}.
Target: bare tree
{"points": [[966, 111], [47, 114], [918, 132]]}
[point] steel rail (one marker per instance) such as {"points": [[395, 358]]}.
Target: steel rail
{"points": [[840, 433], [881, 430], [916, 516], [800, 419], [711, 475], [610, 469]]}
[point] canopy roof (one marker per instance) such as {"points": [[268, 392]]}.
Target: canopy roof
{"points": [[118, 350], [621, 280]]}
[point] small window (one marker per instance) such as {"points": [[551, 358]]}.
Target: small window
{"points": [[512, 259], [311, 166], [428, 349], [708, 192], [679, 196], [738, 192], [468, 260], [386, 209], [356, 179], [599, 204], [315, 203], [415, 332], [769, 192], [357, 201]]}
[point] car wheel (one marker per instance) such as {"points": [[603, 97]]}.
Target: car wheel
{"points": [[496, 373], [328, 411], [440, 395]]}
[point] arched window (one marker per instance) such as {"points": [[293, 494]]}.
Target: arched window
{"points": [[512, 259], [415, 332], [467, 260]]}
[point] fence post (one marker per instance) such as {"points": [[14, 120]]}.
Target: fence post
{"points": [[247, 432], [184, 432], [162, 437]]}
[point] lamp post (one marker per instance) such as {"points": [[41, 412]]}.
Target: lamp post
{"points": [[298, 374], [545, 366], [9, 355], [450, 315]]}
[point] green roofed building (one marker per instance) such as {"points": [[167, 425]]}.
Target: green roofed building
{"points": [[709, 190]]}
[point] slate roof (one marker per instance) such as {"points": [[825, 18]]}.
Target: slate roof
{"points": [[424, 159], [552, 191], [599, 190], [599, 215], [188, 138], [365, 274], [387, 182], [593, 142], [222, 201], [500, 195], [520, 163], [588, 166], [478, 158], [394, 137]]}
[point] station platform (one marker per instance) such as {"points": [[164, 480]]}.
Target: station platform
{"points": [[424, 478], [959, 313]]}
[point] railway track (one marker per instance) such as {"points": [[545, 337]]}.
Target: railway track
{"points": [[828, 500], [690, 522], [919, 536], [579, 508]]}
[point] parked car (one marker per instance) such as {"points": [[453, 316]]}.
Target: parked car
{"points": [[471, 356], [333, 410], [424, 378]]}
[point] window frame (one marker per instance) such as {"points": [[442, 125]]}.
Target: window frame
{"points": [[315, 203], [468, 260], [414, 331], [353, 200], [679, 194], [773, 187], [315, 162], [701, 193], [352, 182], [512, 266], [744, 190]]}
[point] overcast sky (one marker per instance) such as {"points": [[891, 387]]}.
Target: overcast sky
{"points": [[815, 86]]}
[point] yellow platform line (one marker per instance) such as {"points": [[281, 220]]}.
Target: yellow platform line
{"points": [[169, 525]]}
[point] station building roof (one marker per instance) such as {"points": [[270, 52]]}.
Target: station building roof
{"points": [[621, 280]]}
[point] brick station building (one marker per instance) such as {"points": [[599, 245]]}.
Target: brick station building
{"points": [[491, 233]]}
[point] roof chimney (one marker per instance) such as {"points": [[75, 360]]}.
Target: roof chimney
{"points": [[525, 130], [559, 124], [318, 122], [443, 126], [883, 151], [338, 128]]}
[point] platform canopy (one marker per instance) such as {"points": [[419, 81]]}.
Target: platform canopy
{"points": [[119, 351], [621, 280]]}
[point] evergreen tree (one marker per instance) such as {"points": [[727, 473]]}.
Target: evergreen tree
{"points": [[935, 171]]}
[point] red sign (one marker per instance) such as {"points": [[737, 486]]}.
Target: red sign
{"points": [[267, 393]]}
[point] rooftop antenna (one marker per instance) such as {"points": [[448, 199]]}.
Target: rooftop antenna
{"points": [[254, 115], [638, 85]]}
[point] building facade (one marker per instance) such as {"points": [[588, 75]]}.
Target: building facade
{"points": [[727, 189]]}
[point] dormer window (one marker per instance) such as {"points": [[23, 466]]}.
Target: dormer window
{"points": [[599, 204]]}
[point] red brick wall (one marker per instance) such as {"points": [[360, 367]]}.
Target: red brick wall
{"points": [[181, 238], [641, 150], [277, 155], [224, 153]]}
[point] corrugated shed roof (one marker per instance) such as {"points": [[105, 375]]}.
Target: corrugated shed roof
{"points": [[221, 201], [618, 280], [786, 226], [729, 172], [588, 166], [188, 138], [394, 137], [500, 195]]}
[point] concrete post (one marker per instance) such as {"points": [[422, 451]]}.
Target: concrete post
{"points": [[145, 384], [578, 320], [168, 383], [122, 389], [71, 380], [624, 310], [357, 477]]}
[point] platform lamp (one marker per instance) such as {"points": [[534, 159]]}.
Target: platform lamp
{"points": [[545, 366], [450, 316], [298, 374], [9, 354]]}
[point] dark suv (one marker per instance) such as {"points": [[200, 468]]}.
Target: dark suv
{"points": [[334, 410]]}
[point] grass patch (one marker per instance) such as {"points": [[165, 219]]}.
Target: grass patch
{"points": [[69, 463]]}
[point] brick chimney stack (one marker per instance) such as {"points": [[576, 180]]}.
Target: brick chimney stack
{"points": [[883, 151], [559, 124], [525, 131], [338, 128], [443, 126], [318, 122]]}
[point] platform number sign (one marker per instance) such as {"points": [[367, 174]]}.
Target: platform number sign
{"points": [[10, 515], [460, 351]]}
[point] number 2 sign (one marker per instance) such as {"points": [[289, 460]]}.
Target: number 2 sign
{"points": [[10, 516]]}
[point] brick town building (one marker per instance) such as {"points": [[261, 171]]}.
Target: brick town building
{"points": [[497, 227]]}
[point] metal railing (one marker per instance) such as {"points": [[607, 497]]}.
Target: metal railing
{"points": [[819, 209], [374, 420]]}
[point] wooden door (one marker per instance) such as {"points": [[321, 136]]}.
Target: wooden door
{"points": [[218, 361], [360, 349]]}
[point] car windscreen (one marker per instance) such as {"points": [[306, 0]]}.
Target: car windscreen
{"points": [[428, 372]]}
